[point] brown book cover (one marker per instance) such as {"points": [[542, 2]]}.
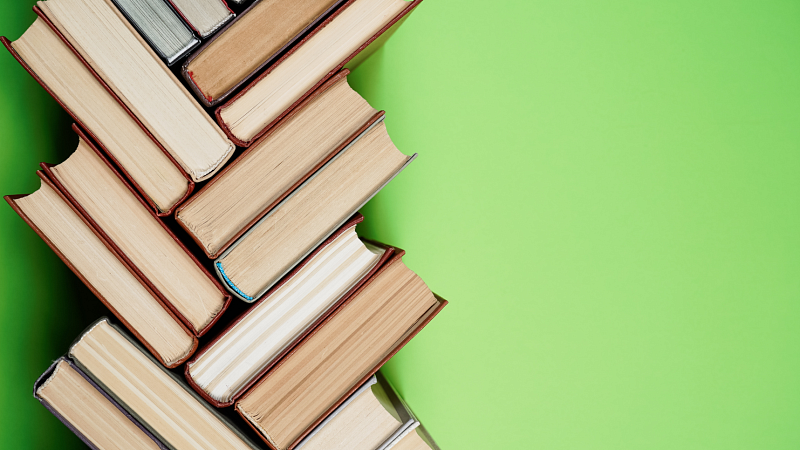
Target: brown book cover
{"points": [[424, 320], [117, 251], [337, 78], [369, 46], [209, 102], [355, 220], [22, 62], [11, 199]]}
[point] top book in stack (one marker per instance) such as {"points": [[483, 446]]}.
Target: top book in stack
{"points": [[121, 68], [346, 33]]}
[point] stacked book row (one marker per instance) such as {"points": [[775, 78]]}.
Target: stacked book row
{"points": [[238, 174]]}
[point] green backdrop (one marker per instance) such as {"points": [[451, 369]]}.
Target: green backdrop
{"points": [[607, 193]]}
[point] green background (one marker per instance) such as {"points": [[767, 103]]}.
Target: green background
{"points": [[607, 193]]}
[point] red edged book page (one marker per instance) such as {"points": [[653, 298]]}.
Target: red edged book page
{"points": [[266, 98], [48, 169], [102, 292]]}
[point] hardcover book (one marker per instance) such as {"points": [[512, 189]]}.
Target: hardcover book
{"points": [[364, 332], [353, 28], [154, 396], [160, 26], [374, 417], [93, 105], [266, 173], [88, 411], [204, 16], [88, 214], [306, 217], [252, 344], [250, 43], [112, 49]]}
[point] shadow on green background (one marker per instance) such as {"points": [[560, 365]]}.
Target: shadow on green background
{"points": [[606, 193]]}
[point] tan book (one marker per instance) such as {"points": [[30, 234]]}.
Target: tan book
{"points": [[98, 32], [353, 31], [266, 173], [151, 394], [250, 43], [373, 418], [152, 170], [296, 395]]}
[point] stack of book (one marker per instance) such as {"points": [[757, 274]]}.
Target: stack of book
{"points": [[222, 156]]}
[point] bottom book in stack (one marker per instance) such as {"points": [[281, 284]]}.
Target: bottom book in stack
{"points": [[113, 394]]}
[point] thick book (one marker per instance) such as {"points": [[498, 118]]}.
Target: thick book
{"points": [[286, 234], [364, 332], [88, 411], [374, 417], [90, 216], [254, 342], [155, 397], [350, 33], [267, 172], [114, 51], [249, 43], [160, 26], [112, 125], [204, 16]]}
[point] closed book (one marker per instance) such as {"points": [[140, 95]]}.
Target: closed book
{"points": [[113, 126], [257, 340], [88, 411], [98, 225], [364, 332], [204, 16], [291, 230], [348, 35], [111, 48], [160, 26], [269, 171], [250, 43], [157, 398], [374, 417]]}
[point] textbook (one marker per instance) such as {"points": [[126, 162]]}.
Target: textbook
{"points": [[88, 214]]}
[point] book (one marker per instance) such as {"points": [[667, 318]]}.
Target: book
{"points": [[374, 417], [267, 172], [254, 342], [315, 209], [88, 411], [51, 62], [250, 43], [204, 16], [417, 439], [159, 25], [150, 393], [85, 211], [373, 324], [112, 49], [351, 29]]}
